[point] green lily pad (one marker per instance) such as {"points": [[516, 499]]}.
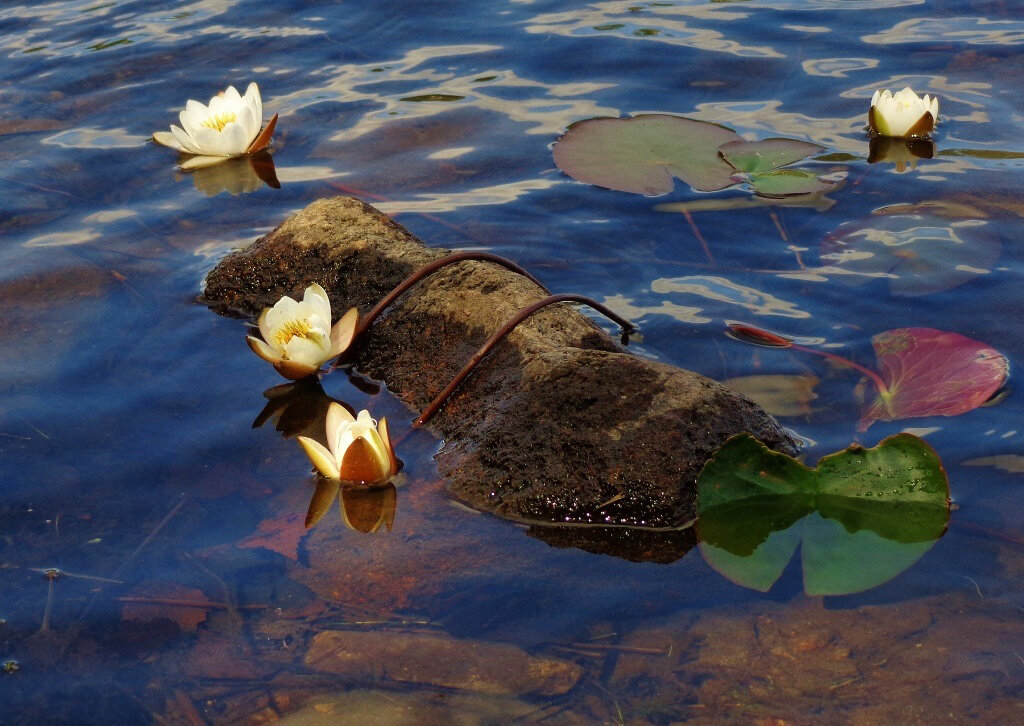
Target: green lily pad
{"points": [[752, 157], [641, 154], [860, 518], [787, 182]]}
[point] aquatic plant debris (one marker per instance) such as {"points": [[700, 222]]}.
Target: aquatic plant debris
{"points": [[923, 371], [930, 372], [861, 517]]}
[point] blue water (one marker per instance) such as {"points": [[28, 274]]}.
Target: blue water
{"points": [[126, 408]]}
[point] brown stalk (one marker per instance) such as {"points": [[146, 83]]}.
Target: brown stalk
{"points": [[508, 327], [431, 268]]}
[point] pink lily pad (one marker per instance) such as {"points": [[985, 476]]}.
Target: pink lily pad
{"points": [[930, 372], [641, 154]]}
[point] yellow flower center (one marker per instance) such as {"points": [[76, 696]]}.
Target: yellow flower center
{"points": [[219, 121], [294, 329]]}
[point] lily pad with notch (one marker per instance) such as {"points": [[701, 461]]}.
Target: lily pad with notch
{"points": [[860, 518], [642, 154]]}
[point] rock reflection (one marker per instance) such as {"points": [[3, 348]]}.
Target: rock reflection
{"points": [[237, 176]]}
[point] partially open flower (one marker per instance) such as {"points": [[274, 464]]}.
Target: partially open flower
{"points": [[358, 451], [298, 337], [903, 114], [229, 126]]}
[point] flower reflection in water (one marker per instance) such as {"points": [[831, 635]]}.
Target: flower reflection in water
{"points": [[903, 153], [237, 176], [297, 409], [300, 409], [362, 510]]}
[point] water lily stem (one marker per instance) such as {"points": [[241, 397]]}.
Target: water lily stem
{"points": [[883, 390], [430, 269], [508, 327]]}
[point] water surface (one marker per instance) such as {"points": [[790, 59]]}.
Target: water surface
{"points": [[190, 589]]}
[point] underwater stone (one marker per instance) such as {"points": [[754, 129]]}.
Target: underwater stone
{"points": [[559, 424], [440, 662]]}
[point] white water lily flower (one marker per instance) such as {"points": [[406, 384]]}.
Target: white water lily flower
{"points": [[298, 337], [229, 126], [358, 450], [903, 114]]}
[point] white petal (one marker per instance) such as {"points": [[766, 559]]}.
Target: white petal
{"points": [[234, 139], [232, 99], [265, 329], [193, 116], [208, 141], [186, 141], [255, 101], [200, 161], [166, 138], [319, 325], [304, 350], [337, 417], [263, 350], [874, 98], [321, 457], [317, 297]]}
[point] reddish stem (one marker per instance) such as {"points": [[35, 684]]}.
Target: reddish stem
{"points": [[508, 327], [431, 268], [772, 340], [883, 389]]}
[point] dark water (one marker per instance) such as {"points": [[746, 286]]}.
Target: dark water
{"points": [[189, 588]]}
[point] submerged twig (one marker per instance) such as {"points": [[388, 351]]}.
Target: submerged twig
{"points": [[508, 327], [431, 268], [156, 530]]}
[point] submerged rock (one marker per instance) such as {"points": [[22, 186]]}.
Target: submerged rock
{"points": [[432, 660], [559, 424]]}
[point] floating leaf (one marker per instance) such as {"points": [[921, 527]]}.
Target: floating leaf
{"points": [[919, 253], [788, 182], [861, 517], [758, 156], [932, 373], [641, 154]]}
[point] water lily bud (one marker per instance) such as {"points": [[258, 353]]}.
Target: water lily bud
{"points": [[903, 114], [298, 337], [358, 450]]}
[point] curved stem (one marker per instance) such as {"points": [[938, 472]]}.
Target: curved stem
{"points": [[508, 327], [883, 390], [430, 269]]}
